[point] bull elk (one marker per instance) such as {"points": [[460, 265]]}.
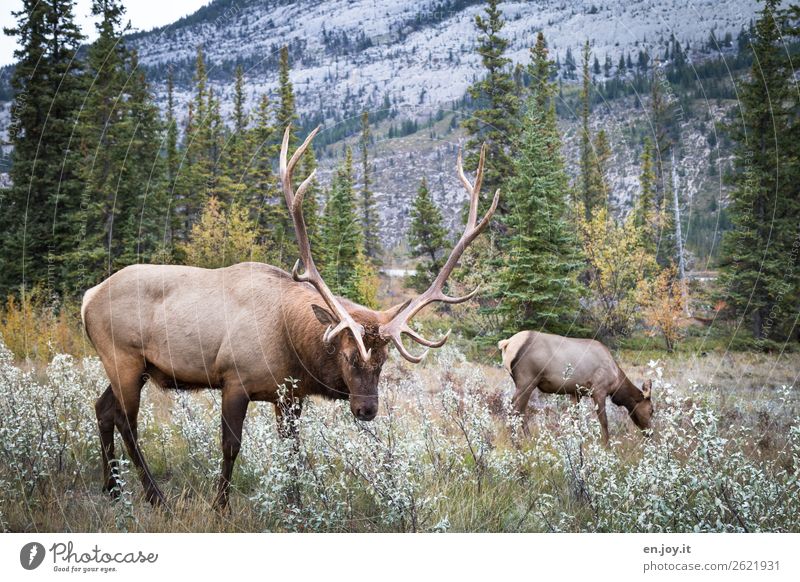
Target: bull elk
{"points": [[561, 365], [244, 330]]}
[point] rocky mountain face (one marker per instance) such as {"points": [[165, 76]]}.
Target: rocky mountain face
{"points": [[416, 58]]}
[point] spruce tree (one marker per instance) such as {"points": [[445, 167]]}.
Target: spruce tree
{"points": [[644, 209], [122, 168], [598, 168], [760, 286], [238, 147], [143, 181], [587, 195], [196, 170], [36, 232], [369, 213], [271, 215], [342, 247], [495, 120], [538, 288], [286, 113], [427, 237]]}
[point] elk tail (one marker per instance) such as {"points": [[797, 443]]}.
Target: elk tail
{"points": [[502, 344]]}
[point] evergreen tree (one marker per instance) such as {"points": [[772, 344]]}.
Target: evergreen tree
{"points": [[644, 208], [342, 251], [427, 237], [286, 113], [495, 120], [588, 197], [239, 145], [663, 142], [369, 213], [760, 287], [142, 179], [271, 214], [598, 168], [172, 133], [35, 227], [538, 287], [196, 172], [124, 197]]}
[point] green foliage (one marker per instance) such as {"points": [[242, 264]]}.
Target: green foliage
{"points": [[760, 274], [617, 260], [427, 237], [495, 121], [35, 228], [538, 288], [370, 222], [222, 237], [341, 254]]}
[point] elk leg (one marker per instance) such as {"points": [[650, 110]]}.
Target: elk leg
{"points": [[105, 409], [234, 409], [576, 398], [519, 401], [600, 403], [126, 419]]}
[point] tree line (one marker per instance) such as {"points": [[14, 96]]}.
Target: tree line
{"points": [[101, 180], [563, 259]]}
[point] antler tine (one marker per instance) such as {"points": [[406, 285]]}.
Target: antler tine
{"points": [[425, 341], [405, 353], [399, 323], [294, 200]]}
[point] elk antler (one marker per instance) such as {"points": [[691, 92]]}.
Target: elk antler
{"points": [[311, 275], [399, 323]]}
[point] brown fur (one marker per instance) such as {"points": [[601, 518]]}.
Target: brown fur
{"points": [[577, 367], [243, 330]]}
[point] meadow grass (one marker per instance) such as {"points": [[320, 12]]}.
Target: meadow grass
{"points": [[443, 455]]}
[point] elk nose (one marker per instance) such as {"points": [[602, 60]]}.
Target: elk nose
{"points": [[366, 411]]}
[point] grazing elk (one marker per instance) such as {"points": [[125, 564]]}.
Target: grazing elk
{"points": [[244, 330], [562, 365]]}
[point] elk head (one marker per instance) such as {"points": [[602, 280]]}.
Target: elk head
{"points": [[363, 349]]}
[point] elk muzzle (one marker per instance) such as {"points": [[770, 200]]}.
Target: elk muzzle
{"points": [[364, 407]]}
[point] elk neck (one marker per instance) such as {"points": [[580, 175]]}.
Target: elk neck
{"points": [[627, 394]]}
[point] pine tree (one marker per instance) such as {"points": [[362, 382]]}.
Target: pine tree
{"points": [[644, 208], [588, 197], [495, 120], [538, 288], [598, 168], [370, 223], [238, 146], [427, 237], [172, 133], [271, 215], [286, 113], [342, 248], [190, 191], [35, 227], [760, 285], [663, 142], [124, 199], [143, 182]]}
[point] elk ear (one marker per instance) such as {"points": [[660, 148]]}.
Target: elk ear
{"points": [[324, 316], [647, 388], [393, 311]]}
